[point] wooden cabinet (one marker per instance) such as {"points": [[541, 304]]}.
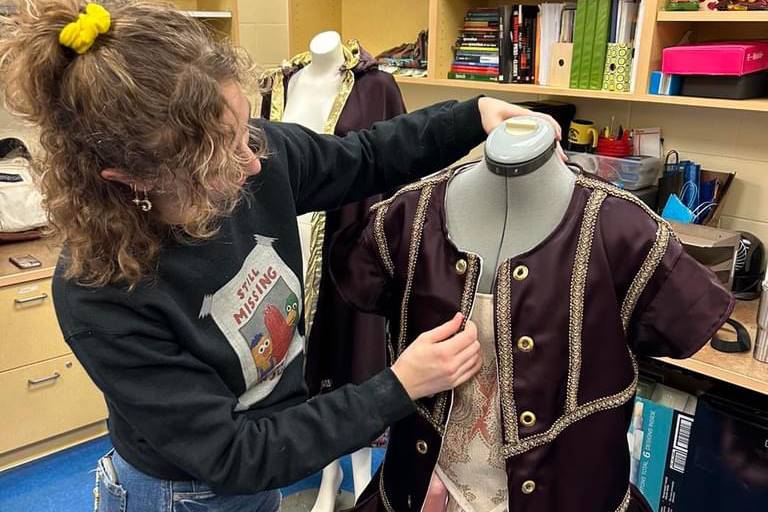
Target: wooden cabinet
{"points": [[47, 401], [30, 330]]}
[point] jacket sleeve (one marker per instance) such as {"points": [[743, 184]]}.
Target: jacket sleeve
{"points": [[681, 307], [183, 409], [357, 269], [327, 172]]}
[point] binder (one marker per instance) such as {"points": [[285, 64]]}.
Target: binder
{"points": [[579, 37], [560, 65], [587, 52], [618, 67], [599, 43]]}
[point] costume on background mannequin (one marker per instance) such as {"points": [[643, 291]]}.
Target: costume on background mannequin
{"points": [[334, 88], [582, 278]]}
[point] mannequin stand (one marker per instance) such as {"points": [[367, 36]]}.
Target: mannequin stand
{"points": [[333, 476]]}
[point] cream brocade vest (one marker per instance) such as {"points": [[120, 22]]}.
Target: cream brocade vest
{"points": [[471, 464]]}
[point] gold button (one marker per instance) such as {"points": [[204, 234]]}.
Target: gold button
{"points": [[409, 500], [520, 272], [525, 343], [528, 486], [461, 266], [421, 447], [527, 419]]}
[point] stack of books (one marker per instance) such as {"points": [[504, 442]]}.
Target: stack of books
{"points": [[476, 54]]}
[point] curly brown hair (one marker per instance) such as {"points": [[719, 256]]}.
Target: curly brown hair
{"points": [[145, 99]]}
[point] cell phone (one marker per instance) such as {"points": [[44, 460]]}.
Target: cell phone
{"points": [[25, 262]]}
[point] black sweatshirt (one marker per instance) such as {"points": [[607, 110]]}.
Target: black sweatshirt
{"points": [[202, 368]]}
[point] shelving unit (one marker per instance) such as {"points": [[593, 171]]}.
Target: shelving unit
{"points": [[220, 15], [209, 14], [713, 16], [381, 25], [756, 105]]}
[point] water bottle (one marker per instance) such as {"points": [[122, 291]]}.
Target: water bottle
{"points": [[761, 342]]}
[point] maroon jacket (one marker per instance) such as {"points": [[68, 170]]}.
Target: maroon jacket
{"points": [[344, 345], [571, 315]]}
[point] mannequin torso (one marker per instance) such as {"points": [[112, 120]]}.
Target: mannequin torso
{"points": [[311, 94], [498, 217], [313, 89]]}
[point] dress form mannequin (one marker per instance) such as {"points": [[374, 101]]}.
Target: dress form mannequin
{"points": [[312, 92], [313, 89], [515, 212]]}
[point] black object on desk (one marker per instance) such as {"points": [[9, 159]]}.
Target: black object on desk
{"points": [[742, 343]]}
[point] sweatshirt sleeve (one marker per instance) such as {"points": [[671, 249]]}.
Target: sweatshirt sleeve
{"points": [[327, 172], [183, 409]]}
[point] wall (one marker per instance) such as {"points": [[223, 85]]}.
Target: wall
{"points": [[721, 140], [264, 30]]}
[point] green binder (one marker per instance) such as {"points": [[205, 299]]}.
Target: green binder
{"points": [[588, 50], [600, 44], [579, 36]]}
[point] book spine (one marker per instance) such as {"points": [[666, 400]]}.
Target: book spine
{"points": [[480, 59], [470, 76], [477, 71], [515, 45]]}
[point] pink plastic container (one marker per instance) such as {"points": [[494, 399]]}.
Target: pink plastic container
{"points": [[730, 58]]}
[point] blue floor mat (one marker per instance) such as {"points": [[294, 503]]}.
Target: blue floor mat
{"points": [[63, 482]]}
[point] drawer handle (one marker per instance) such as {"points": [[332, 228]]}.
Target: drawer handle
{"points": [[27, 300], [35, 382]]}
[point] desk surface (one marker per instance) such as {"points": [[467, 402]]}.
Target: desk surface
{"points": [[46, 251], [738, 369]]}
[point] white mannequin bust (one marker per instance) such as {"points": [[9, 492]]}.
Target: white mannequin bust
{"points": [[499, 216], [313, 89], [311, 94]]}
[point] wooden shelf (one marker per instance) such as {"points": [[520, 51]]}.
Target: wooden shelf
{"points": [[738, 369], [713, 16], [209, 14], [756, 105]]}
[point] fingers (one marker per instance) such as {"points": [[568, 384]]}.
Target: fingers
{"points": [[555, 125], [463, 377], [561, 153], [446, 330], [467, 358], [459, 342]]}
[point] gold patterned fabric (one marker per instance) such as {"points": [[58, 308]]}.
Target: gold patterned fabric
{"points": [[273, 78], [471, 463]]}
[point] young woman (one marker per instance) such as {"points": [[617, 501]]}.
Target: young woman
{"points": [[179, 284]]}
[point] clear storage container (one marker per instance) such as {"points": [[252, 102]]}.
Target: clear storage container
{"points": [[631, 173]]}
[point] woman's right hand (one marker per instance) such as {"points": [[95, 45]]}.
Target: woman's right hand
{"points": [[440, 359]]}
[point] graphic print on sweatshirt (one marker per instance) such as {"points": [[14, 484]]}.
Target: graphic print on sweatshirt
{"points": [[258, 311]]}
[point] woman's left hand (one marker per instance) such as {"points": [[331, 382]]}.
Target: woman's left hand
{"points": [[493, 112]]}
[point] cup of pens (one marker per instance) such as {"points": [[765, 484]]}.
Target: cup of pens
{"points": [[619, 146]]}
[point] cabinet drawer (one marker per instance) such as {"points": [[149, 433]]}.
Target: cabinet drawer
{"points": [[30, 332], [46, 399]]}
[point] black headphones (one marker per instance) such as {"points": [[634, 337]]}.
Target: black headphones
{"points": [[742, 343]]}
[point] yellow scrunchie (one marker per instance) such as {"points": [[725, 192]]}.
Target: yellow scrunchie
{"points": [[82, 33]]}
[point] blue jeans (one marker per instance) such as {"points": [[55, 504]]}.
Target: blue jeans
{"points": [[122, 488]]}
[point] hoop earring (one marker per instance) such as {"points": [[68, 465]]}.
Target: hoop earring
{"points": [[145, 204]]}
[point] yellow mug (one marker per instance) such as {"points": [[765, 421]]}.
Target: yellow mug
{"points": [[582, 134]]}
